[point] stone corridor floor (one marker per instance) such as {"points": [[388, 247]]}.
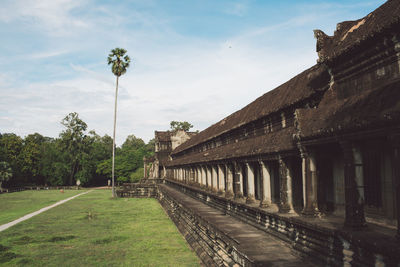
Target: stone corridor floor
{"points": [[258, 245]]}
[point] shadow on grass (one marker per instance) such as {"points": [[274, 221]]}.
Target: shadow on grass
{"points": [[23, 240], [61, 238], [6, 255], [109, 240]]}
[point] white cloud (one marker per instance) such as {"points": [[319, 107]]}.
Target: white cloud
{"points": [[54, 16], [47, 54], [237, 9], [173, 77]]}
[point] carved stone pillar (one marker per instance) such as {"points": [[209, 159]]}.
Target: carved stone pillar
{"points": [[354, 187], [238, 180], [196, 175], [250, 184], [145, 170], [266, 197], [286, 196], [221, 178], [395, 141], [209, 179], [204, 176], [229, 181], [214, 176], [310, 197]]}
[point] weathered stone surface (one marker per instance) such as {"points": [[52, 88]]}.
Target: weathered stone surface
{"points": [[225, 239], [326, 242]]}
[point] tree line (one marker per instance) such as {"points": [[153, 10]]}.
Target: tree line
{"points": [[77, 154]]}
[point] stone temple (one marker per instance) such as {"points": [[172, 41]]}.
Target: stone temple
{"points": [[308, 173]]}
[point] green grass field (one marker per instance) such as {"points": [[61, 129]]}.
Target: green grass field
{"points": [[18, 204], [95, 230]]}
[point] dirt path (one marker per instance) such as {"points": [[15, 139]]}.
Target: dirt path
{"points": [[30, 215]]}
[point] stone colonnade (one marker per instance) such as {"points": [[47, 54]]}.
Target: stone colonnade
{"points": [[279, 182], [248, 180]]}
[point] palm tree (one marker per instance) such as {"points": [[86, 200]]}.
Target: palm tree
{"points": [[120, 62]]}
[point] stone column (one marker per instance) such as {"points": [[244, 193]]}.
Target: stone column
{"points": [[203, 176], [195, 176], [395, 140], [250, 184], [354, 187], [310, 187], [266, 196], [285, 176], [214, 180], [229, 181], [221, 178], [209, 178], [238, 180], [144, 170], [198, 175]]}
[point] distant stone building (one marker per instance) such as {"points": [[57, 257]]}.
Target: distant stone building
{"points": [[165, 142]]}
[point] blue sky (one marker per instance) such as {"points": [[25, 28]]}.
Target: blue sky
{"points": [[197, 61]]}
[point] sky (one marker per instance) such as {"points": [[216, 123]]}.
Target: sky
{"points": [[192, 60]]}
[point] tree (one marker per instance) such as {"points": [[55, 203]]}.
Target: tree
{"points": [[31, 155], [133, 142], [180, 125], [120, 62], [11, 147], [5, 172], [72, 141]]}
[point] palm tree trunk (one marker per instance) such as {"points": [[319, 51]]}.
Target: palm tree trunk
{"points": [[113, 150]]}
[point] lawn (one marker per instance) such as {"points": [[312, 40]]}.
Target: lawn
{"points": [[95, 230], [17, 204]]}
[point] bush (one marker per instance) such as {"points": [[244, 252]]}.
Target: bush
{"points": [[137, 175]]}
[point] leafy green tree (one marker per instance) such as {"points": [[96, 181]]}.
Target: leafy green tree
{"points": [[133, 142], [54, 167], [150, 147], [31, 155], [72, 141], [5, 173], [11, 146], [128, 161], [180, 125], [119, 63], [137, 175]]}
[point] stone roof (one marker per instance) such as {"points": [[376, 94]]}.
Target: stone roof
{"points": [[350, 34], [299, 88], [163, 136], [273, 142], [368, 109]]}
